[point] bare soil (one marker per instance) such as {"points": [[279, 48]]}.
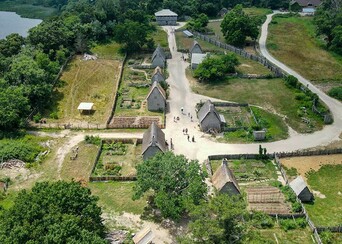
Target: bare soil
{"points": [[305, 164]]}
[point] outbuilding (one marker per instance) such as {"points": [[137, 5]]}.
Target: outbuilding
{"points": [[224, 180], [304, 5], [85, 107], [209, 118], [196, 48], [302, 191], [153, 141], [145, 236], [156, 98], [166, 17], [196, 59]]}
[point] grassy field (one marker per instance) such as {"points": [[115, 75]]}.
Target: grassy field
{"points": [[327, 180], [160, 37], [278, 235], [28, 10], [86, 81], [117, 197], [81, 167], [271, 94], [108, 51], [293, 41]]}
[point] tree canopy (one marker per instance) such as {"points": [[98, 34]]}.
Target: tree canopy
{"points": [[58, 212], [216, 67], [198, 23], [237, 26], [177, 183]]}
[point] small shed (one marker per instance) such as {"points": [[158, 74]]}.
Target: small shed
{"points": [[196, 59], [158, 58], [85, 106], [196, 48], [188, 33], [145, 236], [157, 75], [302, 191], [224, 180], [156, 98], [166, 17], [153, 141], [209, 118], [259, 135]]}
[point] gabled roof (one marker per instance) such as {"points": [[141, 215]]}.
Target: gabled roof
{"points": [[208, 107], [157, 75], [154, 136], [304, 3], [298, 185], [159, 89], [165, 12], [197, 58], [158, 52], [144, 236], [194, 46], [224, 175]]}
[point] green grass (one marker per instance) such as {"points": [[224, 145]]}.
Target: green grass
{"points": [[108, 51], [299, 236], [271, 94], [160, 37], [28, 10], [117, 197], [293, 41], [257, 12], [86, 81], [81, 167], [326, 211]]}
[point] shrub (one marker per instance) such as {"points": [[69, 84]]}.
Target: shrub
{"points": [[37, 118], [336, 92], [296, 207], [301, 222], [96, 140], [327, 237], [261, 220], [54, 115], [288, 224], [291, 81]]}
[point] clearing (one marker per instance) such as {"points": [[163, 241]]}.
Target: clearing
{"points": [[271, 94], [292, 41]]}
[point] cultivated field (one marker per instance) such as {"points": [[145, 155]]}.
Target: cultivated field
{"points": [[278, 235], [85, 81], [293, 42]]}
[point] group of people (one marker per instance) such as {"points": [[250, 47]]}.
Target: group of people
{"points": [[185, 132]]}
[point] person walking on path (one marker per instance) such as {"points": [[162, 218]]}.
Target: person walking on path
{"points": [[186, 131], [193, 139], [188, 138]]}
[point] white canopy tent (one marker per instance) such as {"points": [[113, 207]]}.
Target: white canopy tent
{"points": [[85, 107]]}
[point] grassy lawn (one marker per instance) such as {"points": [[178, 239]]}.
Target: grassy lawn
{"points": [[108, 51], [160, 37], [247, 169], [81, 167], [127, 156], [327, 180], [300, 236], [271, 94], [86, 81], [293, 41], [28, 10], [117, 197]]}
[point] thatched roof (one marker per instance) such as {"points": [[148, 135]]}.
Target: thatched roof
{"points": [[165, 12], [159, 89], [224, 175], [158, 52], [196, 45], [154, 136], [208, 107], [157, 75], [305, 3], [298, 185]]}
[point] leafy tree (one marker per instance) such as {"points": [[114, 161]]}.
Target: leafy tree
{"points": [[336, 43], [199, 23], [216, 67], [11, 45], [58, 212], [237, 26], [336, 92], [178, 183], [14, 106]]}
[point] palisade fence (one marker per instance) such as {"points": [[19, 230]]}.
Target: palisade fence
{"points": [[116, 91], [276, 157], [262, 60]]}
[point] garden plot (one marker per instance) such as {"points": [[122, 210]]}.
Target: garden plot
{"points": [[237, 117], [118, 159]]}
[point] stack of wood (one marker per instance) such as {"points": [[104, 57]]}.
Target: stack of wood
{"points": [[12, 163]]}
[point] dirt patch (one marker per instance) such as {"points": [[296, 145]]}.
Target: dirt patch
{"points": [[305, 164], [318, 194]]}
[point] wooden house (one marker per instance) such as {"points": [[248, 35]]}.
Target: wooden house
{"points": [[157, 75], [153, 141], [166, 17], [302, 191], [224, 180], [196, 48], [156, 98], [209, 118], [158, 58], [305, 6], [196, 59]]}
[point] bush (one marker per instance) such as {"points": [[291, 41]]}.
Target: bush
{"points": [[54, 115], [96, 140], [327, 237], [336, 92], [296, 207], [288, 224], [301, 222], [261, 220], [291, 81], [37, 118]]}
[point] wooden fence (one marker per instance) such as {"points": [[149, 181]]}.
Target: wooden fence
{"points": [[262, 60], [111, 178]]}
